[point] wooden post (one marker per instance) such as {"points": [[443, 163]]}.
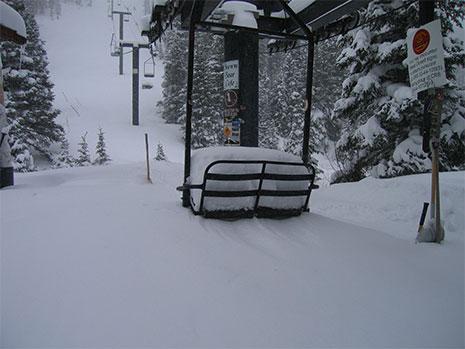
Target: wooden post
{"points": [[147, 157]]}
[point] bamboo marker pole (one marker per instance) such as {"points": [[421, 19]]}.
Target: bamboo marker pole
{"points": [[147, 157]]}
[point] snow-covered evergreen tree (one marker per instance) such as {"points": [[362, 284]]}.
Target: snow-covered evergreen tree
{"points": [[63, 158], [381, 116], [283, 100], [175, 76], [327, 80], [100, 149], [207, 96], [160, 156], [268, 73], [83, 158], [29, 96]]}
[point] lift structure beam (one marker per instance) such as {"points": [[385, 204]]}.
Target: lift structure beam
{"points": [[320, 16]]}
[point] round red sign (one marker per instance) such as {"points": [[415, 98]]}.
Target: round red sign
{"points": [[421, 41]]}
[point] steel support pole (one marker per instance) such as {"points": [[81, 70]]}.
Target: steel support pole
{"points": [[308, 100], [135, 85], [188, 136], [121, 37], [243, 46]]}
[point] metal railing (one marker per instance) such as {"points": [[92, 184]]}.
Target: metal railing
{"points": [[261, 177]]}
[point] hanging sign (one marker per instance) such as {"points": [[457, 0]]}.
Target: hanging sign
{"points": [[232, 123], [425, 57]]}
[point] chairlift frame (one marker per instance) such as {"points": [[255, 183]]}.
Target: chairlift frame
{"points": [[194, 14], [195, 23]]}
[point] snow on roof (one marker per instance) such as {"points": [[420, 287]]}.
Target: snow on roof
{"points": [[243, 13], [11, 24]]}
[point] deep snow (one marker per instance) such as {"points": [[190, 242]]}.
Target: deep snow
{"points": [[98, 257]]}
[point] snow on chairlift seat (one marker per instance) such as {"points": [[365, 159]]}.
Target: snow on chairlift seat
{"points": [[292, 174], [146, 85]]}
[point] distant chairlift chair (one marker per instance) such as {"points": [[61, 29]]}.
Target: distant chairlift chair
{"points": [[115, 50], [149, 66]]}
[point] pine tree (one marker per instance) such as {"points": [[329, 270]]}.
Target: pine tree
{"points": [[269, 66], [207, 96], [63, 158], [175, 76], [83, 152], [287, 94], [100, 149], [160, 156], [29, 96], [381, 117], [327, 81]]}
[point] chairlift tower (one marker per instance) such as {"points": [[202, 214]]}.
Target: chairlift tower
{"points": [[121, 35], [135, 46]]}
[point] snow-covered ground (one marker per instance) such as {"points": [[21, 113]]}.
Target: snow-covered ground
{"points": [[89, 90], [98, 257]]}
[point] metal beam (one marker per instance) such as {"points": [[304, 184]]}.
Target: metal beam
{"points": [[209, 7], [276, 34], [308, 104], [297, 20], [195, 17], [323, 12]]}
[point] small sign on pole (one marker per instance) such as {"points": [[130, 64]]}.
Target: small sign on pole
{"points": [[232, 125], [425, 57], [427, 72]]}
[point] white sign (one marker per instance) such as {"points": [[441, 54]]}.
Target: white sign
{"points": [[231, 75], [426, 57]]}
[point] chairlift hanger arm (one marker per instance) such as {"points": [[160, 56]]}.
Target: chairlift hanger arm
{"points": [[321, 13], [269, 33]]}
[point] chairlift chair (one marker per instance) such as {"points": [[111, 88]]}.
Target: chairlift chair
{"points": [[236, 182], [149, 67], [115, 50], [146, 85]]}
